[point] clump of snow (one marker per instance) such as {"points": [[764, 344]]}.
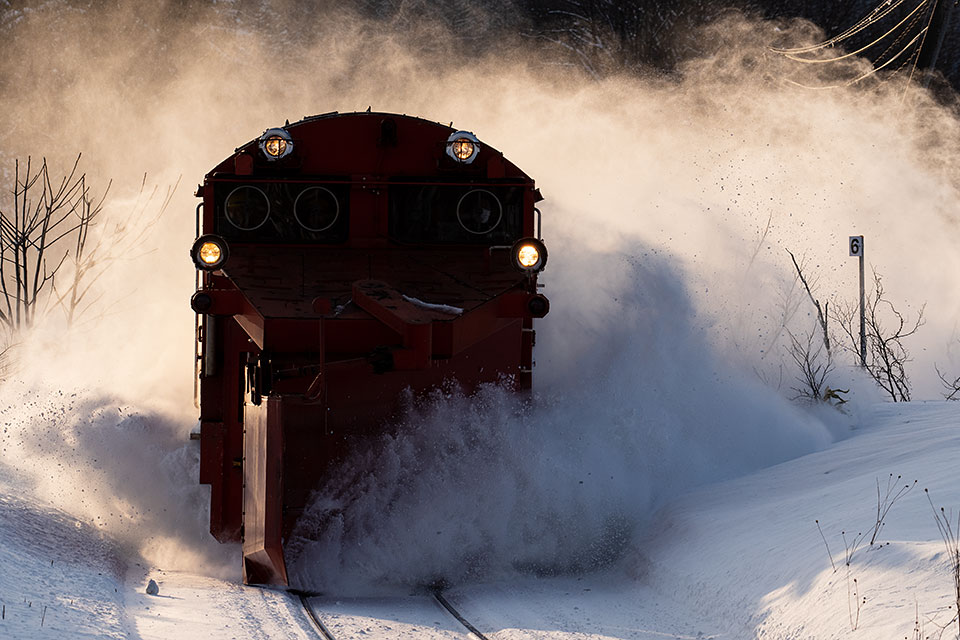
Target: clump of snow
{"points": [[443, 308]]}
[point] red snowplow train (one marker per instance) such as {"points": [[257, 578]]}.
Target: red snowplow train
{"points": [[342, 260]]}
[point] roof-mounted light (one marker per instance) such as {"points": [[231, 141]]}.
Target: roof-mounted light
{"points": [[463, 147], [209, 252], [276, 144]]}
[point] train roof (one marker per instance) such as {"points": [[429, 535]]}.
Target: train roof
{"points": [[367, 143]]}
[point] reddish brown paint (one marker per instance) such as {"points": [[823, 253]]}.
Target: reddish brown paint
{"points": [[341, 368]]}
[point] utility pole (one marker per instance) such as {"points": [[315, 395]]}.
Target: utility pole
{"points": [[856, 250]]}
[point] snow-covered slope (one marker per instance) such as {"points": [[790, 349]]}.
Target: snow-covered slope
{"points": [[749, 551], [738, 559]]}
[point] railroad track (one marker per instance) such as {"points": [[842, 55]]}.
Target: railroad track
{"points": [[315, 619], [325, 633], [438, 596]]}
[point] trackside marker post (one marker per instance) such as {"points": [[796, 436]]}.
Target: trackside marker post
{"points": [[856, 250]]}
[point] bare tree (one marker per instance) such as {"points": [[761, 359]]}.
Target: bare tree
{"points": [[44, 214], [600, 36], [92, 254], [822, 312], [807, 352], [886, 355], [6, 360], [54, 224], [811, 351], [951, 387]]}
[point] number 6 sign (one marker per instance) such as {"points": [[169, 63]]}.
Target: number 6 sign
{"points": [[856, 246], [856, 250]]}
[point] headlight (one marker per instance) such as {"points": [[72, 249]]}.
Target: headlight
{"points": [[276, 144], [529, 255], [463, 147], [209, 252]]}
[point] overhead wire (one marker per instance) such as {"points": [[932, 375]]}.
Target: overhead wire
{"points": [[879, 63], [900, 37], [852, 31], [868, 73], [861, 49], [926, 30]]}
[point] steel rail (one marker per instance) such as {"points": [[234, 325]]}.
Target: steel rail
{"points": [[437, 594], [321, 628], [456, 614]]}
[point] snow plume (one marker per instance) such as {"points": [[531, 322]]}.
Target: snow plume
{"points": [[472, 488], [722, 167], [670, 204], [129, 475]]}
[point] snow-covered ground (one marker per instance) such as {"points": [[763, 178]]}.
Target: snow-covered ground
{"points": [[660, 490], [741, 558]]}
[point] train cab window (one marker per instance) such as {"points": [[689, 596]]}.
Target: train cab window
{"points": [[479, 212], [316, 209], [283, 212], [246, 208], [456, 214]]}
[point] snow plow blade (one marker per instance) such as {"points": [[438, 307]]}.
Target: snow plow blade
{"points": [[263, 494]]}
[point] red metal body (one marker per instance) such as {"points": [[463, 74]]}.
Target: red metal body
{"points": [[311, 334]]}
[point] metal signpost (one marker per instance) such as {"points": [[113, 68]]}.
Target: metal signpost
{"points": [[856, 250]]}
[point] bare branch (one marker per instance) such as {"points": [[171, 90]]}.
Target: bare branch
{"points": [[813, 357], [952, 387], [51, 221], [821, 312], [886, 354]]}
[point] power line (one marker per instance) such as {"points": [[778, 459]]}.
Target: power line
{"points": [[874, 16], [900, 31], [793, 56]]}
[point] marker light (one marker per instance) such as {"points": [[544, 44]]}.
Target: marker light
{"points": [[276, 144], [463, 147], [538, 306], [209, 252], [529, 255], [201, 302]]}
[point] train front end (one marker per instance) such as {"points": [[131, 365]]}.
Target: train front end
{"points": [[343, 260]]}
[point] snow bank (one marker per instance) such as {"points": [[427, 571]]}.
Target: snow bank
{"points": [[60, 575], [748, 554]]}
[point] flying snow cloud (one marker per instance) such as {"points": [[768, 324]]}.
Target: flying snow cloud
{"points": [[639, 410], [670, 205]]}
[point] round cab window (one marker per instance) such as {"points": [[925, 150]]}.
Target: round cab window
{"points": [[316, 209], [247, 208], [479, 211]]}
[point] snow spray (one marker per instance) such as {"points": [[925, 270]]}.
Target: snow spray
{"points": [[671, 202]]}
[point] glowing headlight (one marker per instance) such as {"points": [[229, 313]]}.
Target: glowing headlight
{"points": [[276, 144], [209, 252], [529, 255], [463, 147]]}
